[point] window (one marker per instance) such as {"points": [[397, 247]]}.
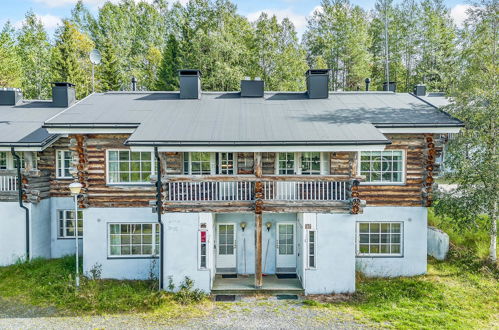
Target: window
{"points": [[137, 239], [311, 163], [64, 159], [226, 162], [203, 241], [379, 238], [125, 166], [197, 163], [286, 163], [311, 249], [66, 221], [3, 160], [382, 166]]}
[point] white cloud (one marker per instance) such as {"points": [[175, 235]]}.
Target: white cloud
{"points": [[50, 22], [92, 3], [299, 21], [459, 15]]}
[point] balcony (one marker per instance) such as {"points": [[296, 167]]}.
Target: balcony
{"points": [[8, 181], [237, 193]]}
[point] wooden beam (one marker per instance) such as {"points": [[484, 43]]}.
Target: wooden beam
{"points": [[258, 255]]}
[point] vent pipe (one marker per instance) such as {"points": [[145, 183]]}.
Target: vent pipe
{"points": [[368, 81], [134, 84], [10, 96], [420, 90], [318, 83], [190, 84], [63, 94], [391, 87]]}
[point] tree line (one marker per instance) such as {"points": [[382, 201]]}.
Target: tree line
{"points": [[151, 41]]}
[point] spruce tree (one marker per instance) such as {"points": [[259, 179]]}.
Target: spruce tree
{"points": [[10, 69]]}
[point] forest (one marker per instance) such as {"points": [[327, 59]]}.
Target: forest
{"points": [[151, 41]]}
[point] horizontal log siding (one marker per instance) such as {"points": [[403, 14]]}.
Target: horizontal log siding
{"points": [[47, 166], [401, 195], [99, 193]]}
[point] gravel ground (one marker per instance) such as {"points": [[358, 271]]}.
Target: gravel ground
{"points": [[249, 313]]}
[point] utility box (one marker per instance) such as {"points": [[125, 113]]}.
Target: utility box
{"points": [[10, 96], [420, 90], [318, 83]]}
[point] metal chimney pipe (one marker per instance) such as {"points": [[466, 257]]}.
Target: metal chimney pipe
{"points": [[134, 84], [368, 81]]}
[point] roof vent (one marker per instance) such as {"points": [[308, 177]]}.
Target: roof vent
{"points": [[63, 94], [190, 84], [252, 88], [318, 83], [420, 90], [10, 96], [392, 88]]}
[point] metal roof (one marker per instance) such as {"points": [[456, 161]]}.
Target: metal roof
{"points": [[436, 99], [277, 118], [21, 125]]}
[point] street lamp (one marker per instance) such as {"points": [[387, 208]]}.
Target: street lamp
{"points": [[75, 189]]}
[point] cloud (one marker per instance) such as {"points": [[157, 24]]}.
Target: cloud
{"points": [[50, 22], [299, 21], [92, 3], [459, 15]]}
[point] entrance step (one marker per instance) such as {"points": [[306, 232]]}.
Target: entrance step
{"points": [[245, 285], [271, 292]]}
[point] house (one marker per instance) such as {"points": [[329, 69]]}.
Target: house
{"points": [[232, 188]]}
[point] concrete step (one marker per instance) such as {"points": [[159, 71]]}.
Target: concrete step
{"points": [[271, 292]]}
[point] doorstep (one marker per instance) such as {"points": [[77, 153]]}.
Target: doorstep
{"points": [[245, 285]]}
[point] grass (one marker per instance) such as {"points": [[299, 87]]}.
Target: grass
{"points": [[50, 283]]}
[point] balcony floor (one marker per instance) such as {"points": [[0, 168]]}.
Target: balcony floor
{"points": [[245, 284]]}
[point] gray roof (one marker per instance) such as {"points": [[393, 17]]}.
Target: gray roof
{"points": [[21, 125], [437, 99], [222, 118]]}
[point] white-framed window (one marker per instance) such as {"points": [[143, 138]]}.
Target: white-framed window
{"points": [[311, 244], [3, 160], [198, 163], [129, 167], [203, 248], [66, 223], [64, 158], [310, 163], [286, 164], [382, 167], [227, 163], [379, 238], [133, 239]]}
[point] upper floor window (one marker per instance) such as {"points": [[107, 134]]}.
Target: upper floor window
{"points": [[3, 160], [63, 163], [197, 163], [286, 163], [382, 166], [66, 221], [227, 163], [7, 160], [379, 239], [304, 163], [311, 163], [129, 167]]}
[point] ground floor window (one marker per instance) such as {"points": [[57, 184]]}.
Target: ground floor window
{"points": [[66, 221], [133, 239], [203, 248], [379, 239], [311, 248]]}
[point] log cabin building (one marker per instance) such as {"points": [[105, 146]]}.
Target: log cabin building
{"points": [[283, 191]]}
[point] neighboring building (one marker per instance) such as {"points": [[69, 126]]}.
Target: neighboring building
{"points": [[316, 184]]}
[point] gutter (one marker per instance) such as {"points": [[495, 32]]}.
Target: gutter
{"points": [[254, 143], [159, 207], [20, 196]]}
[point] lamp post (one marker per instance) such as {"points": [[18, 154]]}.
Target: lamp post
{"points": [[75, 189]]}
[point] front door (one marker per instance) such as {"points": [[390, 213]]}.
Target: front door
{"points": [[286, 248], [226, 248]]}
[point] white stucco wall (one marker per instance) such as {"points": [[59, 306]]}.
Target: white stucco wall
{"points": [[40, 229], [12, 233], [95, 246], [62, 246], [413, 261], [335, 254]]}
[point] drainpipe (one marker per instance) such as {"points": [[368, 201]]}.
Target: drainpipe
{"points": [[20, 192], [159, 206]]}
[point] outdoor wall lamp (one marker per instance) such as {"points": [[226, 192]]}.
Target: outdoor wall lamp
{"points": [[243, 225], [268, 225]]}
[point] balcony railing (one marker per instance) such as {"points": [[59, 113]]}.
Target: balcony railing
{"points": [[8, 183], [211, 190]]}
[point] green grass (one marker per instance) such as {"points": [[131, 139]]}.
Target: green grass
{"points": [[50, 283]]}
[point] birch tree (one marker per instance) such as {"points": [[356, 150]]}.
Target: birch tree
{"points": [[10, 70]]}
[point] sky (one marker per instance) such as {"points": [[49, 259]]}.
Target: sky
{"points": [[51, 11]]}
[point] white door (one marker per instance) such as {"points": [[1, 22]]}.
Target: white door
{"points": [[226, 247], [286, 248]]}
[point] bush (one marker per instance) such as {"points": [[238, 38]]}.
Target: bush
{"points": [[186, 293]]}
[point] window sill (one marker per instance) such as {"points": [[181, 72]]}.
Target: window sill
{"points": [[67, 238], [379, 256], [64, 178], [364, 183], [145, 184], [130, 257]]}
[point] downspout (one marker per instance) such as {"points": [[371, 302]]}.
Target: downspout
{"points": [[159, 207], [20, 196]]}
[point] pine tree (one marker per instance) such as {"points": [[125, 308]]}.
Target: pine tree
{"points": [[10, 69], [170, 64], [108, 70]]}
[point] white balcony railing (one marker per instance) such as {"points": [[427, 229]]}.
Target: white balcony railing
{"points": [[8, 183], [184, 191]]}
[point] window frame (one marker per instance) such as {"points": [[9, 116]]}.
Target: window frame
{"points": [[219, 163], [379, 255], [308, 231], [65, 236], [58, 164], [141, 183], [385, 183], [213, 164], [298, 170], [156, 232], [200, 251], [11, 164]]}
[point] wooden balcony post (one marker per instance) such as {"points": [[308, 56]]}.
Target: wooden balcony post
{"points": [[258, 220]]}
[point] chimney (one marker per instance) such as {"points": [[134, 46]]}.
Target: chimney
{"points": [[318, 83], [252, 88], [368, 81], [63, 94], [10, 96], [392, 86], [190, 84], [420, 90], [134, 84]]}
